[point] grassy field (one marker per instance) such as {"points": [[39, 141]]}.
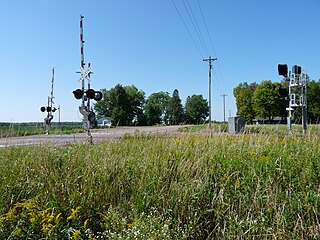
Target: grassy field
{"points": [[17, 130], [249, 186], [282, 129]]}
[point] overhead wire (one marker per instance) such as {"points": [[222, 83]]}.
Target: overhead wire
{"points": [[185, 25], [206, 27], [211, 44], [203, 44], [196, 26]]}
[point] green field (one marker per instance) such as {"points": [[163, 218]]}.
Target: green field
{"points": [[249, 186]]}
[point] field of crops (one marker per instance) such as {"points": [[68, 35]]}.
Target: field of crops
{"points": [[248, 186]]}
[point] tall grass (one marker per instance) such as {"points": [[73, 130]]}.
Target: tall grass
{"points": [[157, 187]]}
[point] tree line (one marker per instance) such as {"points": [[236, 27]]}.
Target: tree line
{"points": [[266, 101], [128, 106]]}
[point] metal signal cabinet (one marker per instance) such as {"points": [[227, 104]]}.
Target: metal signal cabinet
{"points": [[236, 124]]}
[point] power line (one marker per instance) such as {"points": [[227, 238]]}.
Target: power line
{"points": [[187, 14], [210, 40], [196, 27], [205, 24], [185, 25]]}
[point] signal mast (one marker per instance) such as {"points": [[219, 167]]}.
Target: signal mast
{"points": [[296, 92], [85, 95], [49, 108]]}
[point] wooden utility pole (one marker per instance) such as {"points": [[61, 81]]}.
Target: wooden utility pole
{"points": [[210, 60]]}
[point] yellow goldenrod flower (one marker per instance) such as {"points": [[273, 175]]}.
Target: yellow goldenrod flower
{"points": [[58, 218], [85, 224], [130, 225], [74, 213], [76, 234], [46, 227]]}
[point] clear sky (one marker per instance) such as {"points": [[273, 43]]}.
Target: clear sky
{"points": [[151, 44]]}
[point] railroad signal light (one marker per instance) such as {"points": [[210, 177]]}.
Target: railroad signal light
{"points": [[98, 96], [283, 70], [296, 69], [78, 93], [48, 109], [284, 91], [90, 93]]}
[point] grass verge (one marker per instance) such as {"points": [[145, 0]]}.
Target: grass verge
{"points": [[153, 187]]}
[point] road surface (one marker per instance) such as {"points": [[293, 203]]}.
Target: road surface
{"points": [[97, 135]]}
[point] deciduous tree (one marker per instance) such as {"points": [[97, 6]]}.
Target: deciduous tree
{"points": [[313, 101], [267, 101], [196, 109], [156, 108], [244, 94], [122, 104]]}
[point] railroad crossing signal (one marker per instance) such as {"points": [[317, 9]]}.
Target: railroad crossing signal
{"points": [[296, 92], [89, 118], [49, 109]]}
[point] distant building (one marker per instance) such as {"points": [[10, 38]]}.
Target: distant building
{"points": [[275, 120], [104, 122]]}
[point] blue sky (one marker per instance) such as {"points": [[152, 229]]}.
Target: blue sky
{"points": [[145, 43]]}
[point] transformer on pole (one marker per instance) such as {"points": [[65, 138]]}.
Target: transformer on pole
{"points": [[85, 95]]}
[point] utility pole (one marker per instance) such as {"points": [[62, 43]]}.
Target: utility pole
{"points": [[210, 60], [224, 106]]}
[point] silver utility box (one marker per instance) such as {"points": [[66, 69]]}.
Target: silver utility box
{"points": [[236, 124]]}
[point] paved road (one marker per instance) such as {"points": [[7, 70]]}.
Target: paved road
{"points": [[97, 135]]}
